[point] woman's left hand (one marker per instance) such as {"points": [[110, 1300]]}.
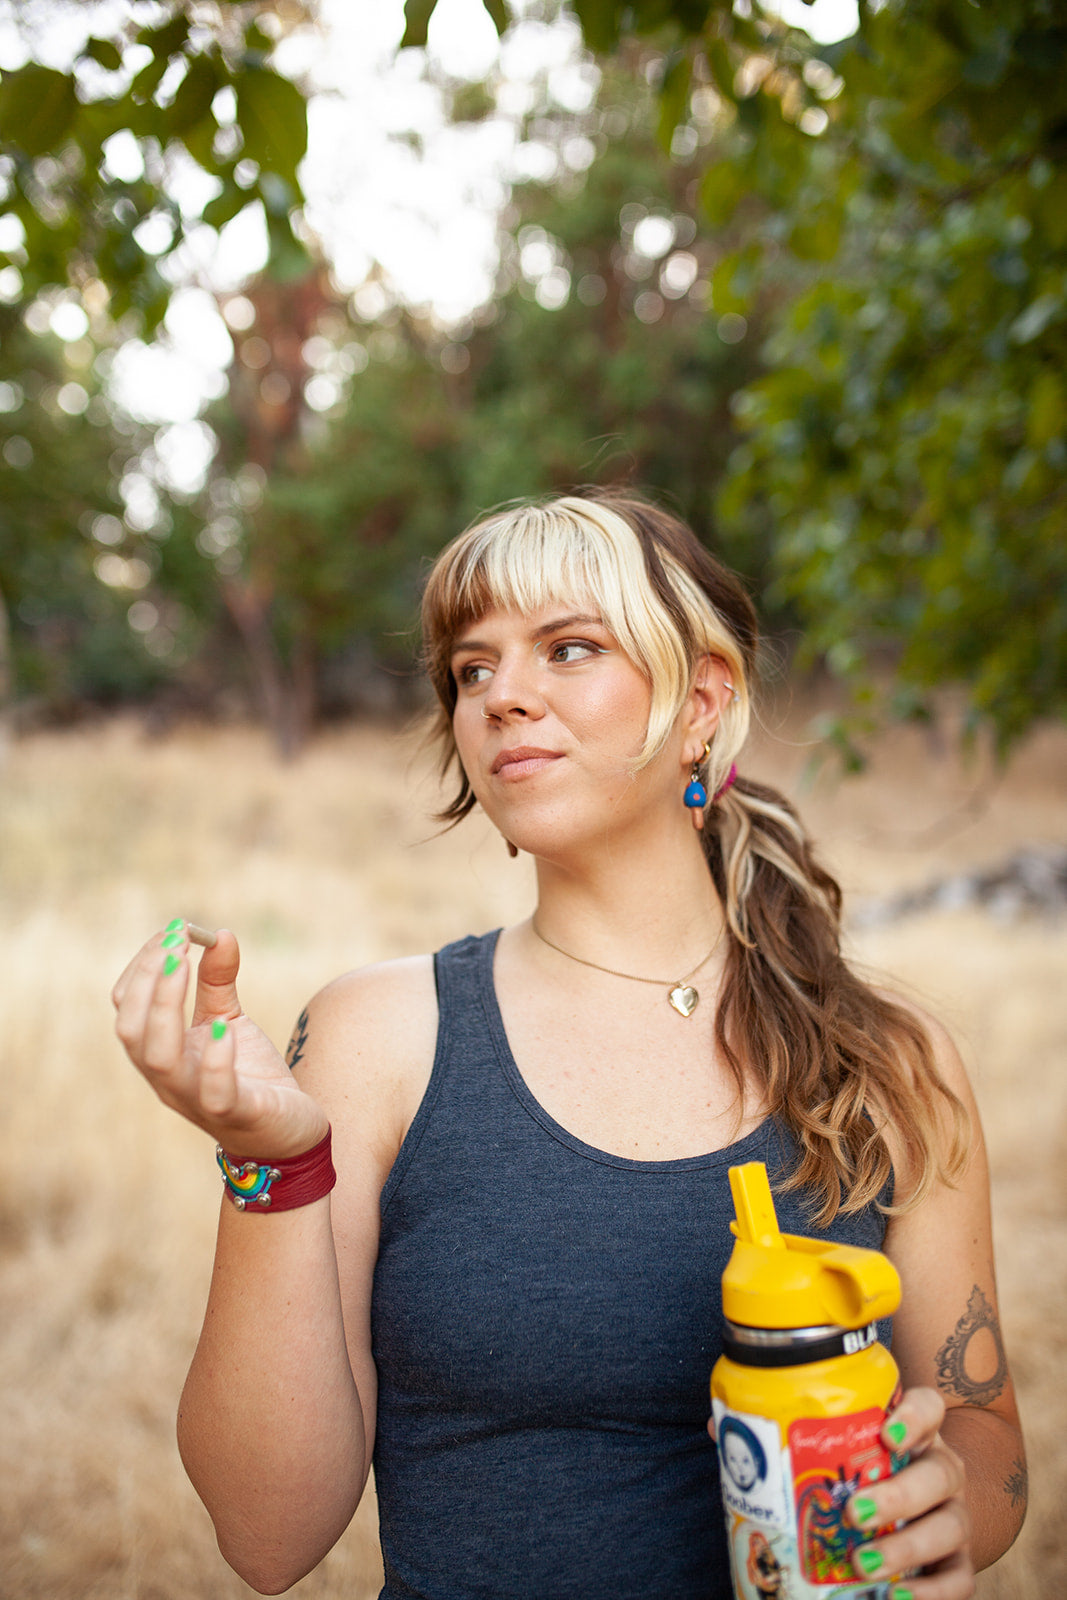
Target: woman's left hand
{"points": [[927, 1498]]}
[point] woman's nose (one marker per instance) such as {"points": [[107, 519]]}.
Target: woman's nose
{"points": [[514, 691]]}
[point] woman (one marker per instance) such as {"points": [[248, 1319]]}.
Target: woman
{"points": [[514, 1287]]}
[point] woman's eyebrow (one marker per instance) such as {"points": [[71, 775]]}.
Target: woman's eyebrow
{"points": [[575, 620]]}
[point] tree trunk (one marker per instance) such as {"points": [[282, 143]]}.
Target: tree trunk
{"points": [[250, 614], [287, 699]]}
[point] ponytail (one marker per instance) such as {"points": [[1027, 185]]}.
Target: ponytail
{"points": [[838, 1062]]}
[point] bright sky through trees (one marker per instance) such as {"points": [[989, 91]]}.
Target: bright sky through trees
{"points": [[420, 209]]}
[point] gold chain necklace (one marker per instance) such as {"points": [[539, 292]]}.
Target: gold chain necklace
{"points": [[681, 994]]}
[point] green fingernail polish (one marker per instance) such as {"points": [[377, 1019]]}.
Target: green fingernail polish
{"points": [[897, 1432], [866, 1509], [218, 1029], [870, 1560], [172, 940], [903, 1594], [171, 964], [174, 925]]}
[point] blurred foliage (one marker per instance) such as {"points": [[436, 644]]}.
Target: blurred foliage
{"points": [[814, 294], [70, 563], [168, 118], [100, 163], [596, 362], [909, 440]]}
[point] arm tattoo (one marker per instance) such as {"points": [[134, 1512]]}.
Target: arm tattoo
{"points": [[1018, 1484], [978, 1327], [296, 1044]]}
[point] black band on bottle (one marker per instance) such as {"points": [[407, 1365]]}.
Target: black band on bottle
{"points": [[790, 1347]]}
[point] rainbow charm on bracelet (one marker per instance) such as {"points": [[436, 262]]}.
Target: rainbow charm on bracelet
{"points": [[247, 1184]]}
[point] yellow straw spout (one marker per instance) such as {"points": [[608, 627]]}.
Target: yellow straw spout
{"points": [[756, 1221]]}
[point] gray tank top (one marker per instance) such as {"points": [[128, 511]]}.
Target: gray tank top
{"points": [[545, 1320]]}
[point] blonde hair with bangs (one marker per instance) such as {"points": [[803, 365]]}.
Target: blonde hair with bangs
{"points": [[582, 550]]}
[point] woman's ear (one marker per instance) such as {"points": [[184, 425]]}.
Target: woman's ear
{"points": [[710, 694]]}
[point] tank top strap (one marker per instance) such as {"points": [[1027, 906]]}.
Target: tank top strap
{"points": [[463, 974]]}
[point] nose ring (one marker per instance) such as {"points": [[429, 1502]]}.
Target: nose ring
{"points": [[487, 715]]}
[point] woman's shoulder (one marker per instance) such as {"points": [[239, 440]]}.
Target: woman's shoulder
{"points": [[389, 1003], [365, 1048]]}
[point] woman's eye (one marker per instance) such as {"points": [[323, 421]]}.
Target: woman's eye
{"points": [[569, 650], [472, 673]]}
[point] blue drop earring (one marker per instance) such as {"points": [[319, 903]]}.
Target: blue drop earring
{"points": [[696, 796]]}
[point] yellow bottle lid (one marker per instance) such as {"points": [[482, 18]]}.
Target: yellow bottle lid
{"points": [[780, 1280]]}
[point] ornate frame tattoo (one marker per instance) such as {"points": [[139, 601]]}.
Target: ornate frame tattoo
{"points": [[295, 1048], [951, 1359]]}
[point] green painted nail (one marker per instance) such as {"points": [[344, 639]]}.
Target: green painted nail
{"points": [[171, 964], [869, 1559], [898, 1432], [174, 925], [903, 1594], [218, 1029], [172, 940], [866, 1509]]}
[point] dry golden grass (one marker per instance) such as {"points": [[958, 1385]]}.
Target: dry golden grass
{"points": [[107, 1203]]}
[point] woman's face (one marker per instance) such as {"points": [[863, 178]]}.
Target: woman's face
{"points": [[549, 716]]}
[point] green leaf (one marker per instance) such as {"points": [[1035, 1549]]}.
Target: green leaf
{"points": [[272, 117], [732, 282], [722, 188], [195, 93], [105, 52], [148, 79], [166, 40], [674, 94], [417, 14], [600, 23], [498, 12], [38, 108], [1047, 418], [226, 206], [199, 140], [816, 236]]}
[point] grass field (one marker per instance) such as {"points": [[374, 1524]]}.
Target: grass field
{"points": [[107, 1202]]}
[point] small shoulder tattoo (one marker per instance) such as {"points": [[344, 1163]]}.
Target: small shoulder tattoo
{"points": [[1017, 1484], [295, 1048], [971, 1363]]}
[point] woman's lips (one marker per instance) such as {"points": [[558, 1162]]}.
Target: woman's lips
{"points": [[521, 761]]}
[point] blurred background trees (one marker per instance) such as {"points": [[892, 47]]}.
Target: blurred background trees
{"points": [[812, 294]]}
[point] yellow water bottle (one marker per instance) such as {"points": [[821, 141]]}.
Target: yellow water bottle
{"points": [[799, 1397]]}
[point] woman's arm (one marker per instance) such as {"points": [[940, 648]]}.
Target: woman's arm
{"points": [[277, 1416], [964, 1495]]}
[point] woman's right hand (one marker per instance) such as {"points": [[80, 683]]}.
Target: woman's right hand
{"points": [[222, 1072]]}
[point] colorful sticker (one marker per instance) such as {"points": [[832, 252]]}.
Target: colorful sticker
{"points": [[784, 1503], [832, 1458]]}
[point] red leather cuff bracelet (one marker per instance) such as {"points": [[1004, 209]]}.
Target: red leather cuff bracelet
{"points": [[278, 1185]]}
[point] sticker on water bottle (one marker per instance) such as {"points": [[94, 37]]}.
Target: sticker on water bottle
{"points": [[833, 1458], [785, 1503], [754, 1484]]}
